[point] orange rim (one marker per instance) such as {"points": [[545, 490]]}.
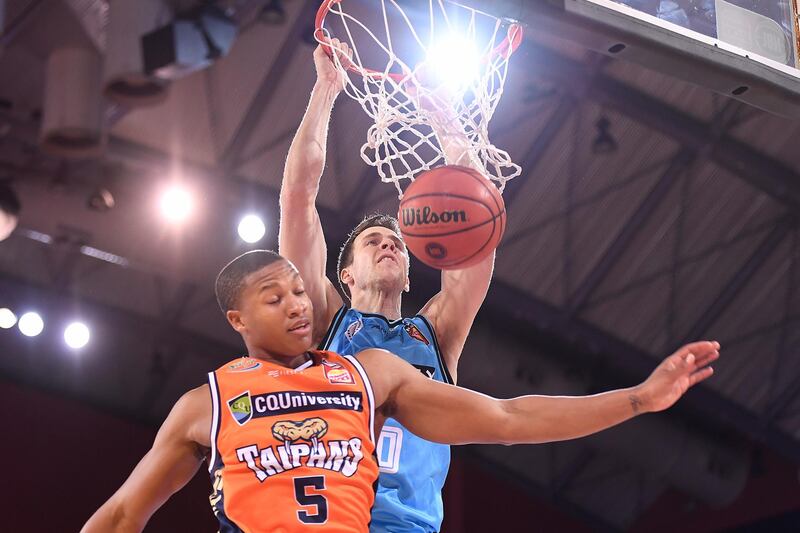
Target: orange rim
{"points": [[505, 48]]}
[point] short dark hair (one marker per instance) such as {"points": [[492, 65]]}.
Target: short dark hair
{"points": [[346, 252], [230, 279]]}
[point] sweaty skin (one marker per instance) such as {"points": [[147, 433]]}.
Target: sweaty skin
{"points": [[275, 319]]}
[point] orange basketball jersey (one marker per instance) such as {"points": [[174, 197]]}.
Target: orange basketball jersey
{"points": [[292, 449]]}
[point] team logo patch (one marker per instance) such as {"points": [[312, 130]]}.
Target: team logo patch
{"points": [[337, 374], [245, 364], [353, 328], [415, 333], [241, 408]]}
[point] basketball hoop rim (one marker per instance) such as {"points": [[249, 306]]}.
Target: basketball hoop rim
{"points": [[505, 48]]}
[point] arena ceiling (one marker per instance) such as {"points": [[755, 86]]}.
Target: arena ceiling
{"points": [[687, 230]]}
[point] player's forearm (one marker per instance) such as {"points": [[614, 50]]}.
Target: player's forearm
{"points": [[535, 419], [306, 159], [112, 518], [453, 140]]}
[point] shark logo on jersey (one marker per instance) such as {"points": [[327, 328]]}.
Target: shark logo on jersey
{"points": [[337, 374], [353, 328], [241, 408], [414, 332], [302, 445]]}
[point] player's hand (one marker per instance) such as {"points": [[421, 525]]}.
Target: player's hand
{"points": [[676, 374], [430, 93], [324, 64]]}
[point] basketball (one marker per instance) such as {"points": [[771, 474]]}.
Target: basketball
{"points": [[452, 217]]}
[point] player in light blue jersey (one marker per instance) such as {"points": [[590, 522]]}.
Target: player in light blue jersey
{"points": [[373, 273]]}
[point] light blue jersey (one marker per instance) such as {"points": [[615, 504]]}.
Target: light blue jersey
{"points": [[412, 470]]}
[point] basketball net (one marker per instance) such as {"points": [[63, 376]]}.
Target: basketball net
{"points": [[401, 141]]}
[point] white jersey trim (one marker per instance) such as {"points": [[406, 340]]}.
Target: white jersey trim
{"points": [[370, 395], [304, 365], [212, 382]]}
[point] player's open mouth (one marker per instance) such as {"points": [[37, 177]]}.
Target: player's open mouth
{"points": [[390, 257], [301, 328]]}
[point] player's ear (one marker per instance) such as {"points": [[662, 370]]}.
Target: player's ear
{"points": [[345, 276], [235, 319]]}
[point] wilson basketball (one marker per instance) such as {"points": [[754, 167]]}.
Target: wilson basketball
{"points": [[452, 217]]}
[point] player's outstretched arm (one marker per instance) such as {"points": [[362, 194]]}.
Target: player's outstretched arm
{"points": [[452, 415], [177, 452], [453, 309], [301, 239]]}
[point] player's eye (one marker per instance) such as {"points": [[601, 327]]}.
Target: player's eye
{"points": [[299, 291]]}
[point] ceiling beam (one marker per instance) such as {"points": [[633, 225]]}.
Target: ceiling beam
{"points": [[762, 172], [739, 280], [537, 322], [566, 106], [630, 229], [267, 89]]}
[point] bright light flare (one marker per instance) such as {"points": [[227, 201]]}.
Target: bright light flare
{"points": [[76, 335], [176, 203], [455, 61], [7, 318], [251, 229], [30, 324]]}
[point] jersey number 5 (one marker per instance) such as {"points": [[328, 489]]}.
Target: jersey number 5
{"points": [[316, 500]]}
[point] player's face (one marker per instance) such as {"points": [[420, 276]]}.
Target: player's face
{"points": [[275, 313], [379, 259]]}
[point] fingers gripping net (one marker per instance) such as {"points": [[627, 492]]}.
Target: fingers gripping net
{"points": [[406, 102]]}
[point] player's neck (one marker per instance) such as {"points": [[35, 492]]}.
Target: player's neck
{"points": [[288, 362], [378, 302]]}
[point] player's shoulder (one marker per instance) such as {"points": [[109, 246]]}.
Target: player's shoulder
{"points": [[191, 415], [195, 401]]}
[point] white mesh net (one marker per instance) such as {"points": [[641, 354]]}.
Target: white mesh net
{"points": [[401, 141]]}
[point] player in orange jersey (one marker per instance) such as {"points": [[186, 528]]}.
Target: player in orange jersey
{"points": [[289, 432]]}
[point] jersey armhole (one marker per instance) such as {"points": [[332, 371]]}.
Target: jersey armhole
{"points": [[215, 419], [368, 387], [334, 325], [445, 371]]}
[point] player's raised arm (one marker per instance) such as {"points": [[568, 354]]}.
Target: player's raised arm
{"points": [[453, 309], [177, 452], [301, 239], [448, 414]]}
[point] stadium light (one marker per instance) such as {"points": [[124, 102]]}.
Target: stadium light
{"points": [[454, 60], [176, 203], [30, 324], [251, 229], [7, 318], [76, 335]]}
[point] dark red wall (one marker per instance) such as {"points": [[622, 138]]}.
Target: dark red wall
{"points": [[64, 458]]}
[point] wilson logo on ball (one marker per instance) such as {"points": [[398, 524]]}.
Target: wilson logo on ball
{"points": [[421, 217]]}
